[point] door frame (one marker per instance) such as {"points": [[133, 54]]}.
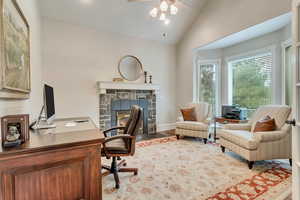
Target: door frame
{"points": [[284, 46], [296, 99]]}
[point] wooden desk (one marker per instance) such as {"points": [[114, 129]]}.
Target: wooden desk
{"points": [[56, 164]]}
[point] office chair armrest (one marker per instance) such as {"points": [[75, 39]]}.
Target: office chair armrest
{"points": [[112, 129], [126, 137]]}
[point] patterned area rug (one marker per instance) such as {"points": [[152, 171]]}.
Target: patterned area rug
{"points": [[188, 169]]}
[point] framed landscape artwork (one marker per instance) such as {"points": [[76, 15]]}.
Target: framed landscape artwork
{"points": [[15, 80]]}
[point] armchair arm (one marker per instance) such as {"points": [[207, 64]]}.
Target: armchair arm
{"points": [[244, 127], [270, 136], [112, 129]]}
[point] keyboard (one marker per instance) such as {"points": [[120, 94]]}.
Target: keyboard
{"points": [[44, 126]]}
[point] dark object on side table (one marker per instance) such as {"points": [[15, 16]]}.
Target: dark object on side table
{"points": [[234, 112], [14, 130], [122, 145]]}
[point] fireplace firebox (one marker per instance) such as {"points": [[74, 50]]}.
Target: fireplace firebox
{"points": [[115, 104], [120, 112]]}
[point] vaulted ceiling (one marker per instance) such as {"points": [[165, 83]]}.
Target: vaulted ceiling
{"points": [[121, 16]]}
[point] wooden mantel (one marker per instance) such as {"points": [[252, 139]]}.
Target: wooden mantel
{"points": [[105, 85]]}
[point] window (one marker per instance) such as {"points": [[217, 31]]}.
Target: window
{"points": [[250, 80], [207, 89]]}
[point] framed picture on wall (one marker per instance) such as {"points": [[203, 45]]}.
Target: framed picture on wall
{"points": [[15, 80]]}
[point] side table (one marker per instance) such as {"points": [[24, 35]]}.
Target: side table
{"points": [[220, 121]]}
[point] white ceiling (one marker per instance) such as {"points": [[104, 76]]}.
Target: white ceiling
{"points": [[266, 27], [122, 17]]}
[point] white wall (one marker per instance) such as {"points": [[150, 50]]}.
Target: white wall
{"points": [[32, 105], [217, 19], [76, 57]]}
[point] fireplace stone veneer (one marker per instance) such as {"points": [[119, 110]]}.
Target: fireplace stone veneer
{"points": [[117, 100]]}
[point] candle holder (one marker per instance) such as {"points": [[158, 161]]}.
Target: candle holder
{"points": [[150, 79], [145, 75]]}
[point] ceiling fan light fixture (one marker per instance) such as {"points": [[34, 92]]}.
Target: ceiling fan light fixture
{"points": [[164, 6], [162, 17], [173, 9], [154, 12]]}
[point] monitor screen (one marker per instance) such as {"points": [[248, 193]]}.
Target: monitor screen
{"points": [[49, 101]]}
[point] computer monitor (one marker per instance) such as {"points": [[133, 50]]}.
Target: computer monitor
{"points": [[49, 103]]}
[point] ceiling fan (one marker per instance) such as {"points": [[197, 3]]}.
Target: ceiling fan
{"points": [[164, 9], [184, 2]]}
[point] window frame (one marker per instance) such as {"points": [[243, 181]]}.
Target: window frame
{"points": [[197, 71], [270, 49]]}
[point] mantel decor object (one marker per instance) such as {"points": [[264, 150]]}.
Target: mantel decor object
{"points": [[145, 75], [150, 79], [14, 130], [118, 80], [15, 80]]}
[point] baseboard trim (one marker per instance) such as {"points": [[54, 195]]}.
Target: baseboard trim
{"points": [[166, 127]]}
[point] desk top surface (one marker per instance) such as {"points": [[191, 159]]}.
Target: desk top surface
{"points": [[59, 137]]}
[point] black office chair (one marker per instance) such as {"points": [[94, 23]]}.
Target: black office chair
{"points": [[122, 145]]}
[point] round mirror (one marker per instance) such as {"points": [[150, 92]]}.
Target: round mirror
{"points": [[130, 68]]}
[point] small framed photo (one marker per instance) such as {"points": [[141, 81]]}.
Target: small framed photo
{"points": [[14, 130]]}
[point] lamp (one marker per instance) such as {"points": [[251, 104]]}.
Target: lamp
{"points": [[164, 6], [167, 21], [164, 10], [173, 9], [154, 12], [162, 17]]}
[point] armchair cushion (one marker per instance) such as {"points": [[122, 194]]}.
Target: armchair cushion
{"points": [[279, 112], [265, 124], [242, 138], [195, 126], [188, 114]]}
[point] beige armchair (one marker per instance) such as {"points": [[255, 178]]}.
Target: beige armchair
{"points": [[277, 144], [197, 128]]}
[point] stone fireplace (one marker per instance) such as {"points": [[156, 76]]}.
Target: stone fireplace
{"points": [[116, 99]]}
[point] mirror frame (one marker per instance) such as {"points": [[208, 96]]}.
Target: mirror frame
{"points": [[138, 60]]}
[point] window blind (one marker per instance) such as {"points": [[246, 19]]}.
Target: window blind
{"points": [[252, 79]]}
